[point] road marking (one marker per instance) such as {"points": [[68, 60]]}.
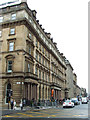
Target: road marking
{"points": [[9, 116], [25, 114], [53, 115]]}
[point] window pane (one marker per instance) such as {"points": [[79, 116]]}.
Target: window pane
{"points": [[29, 50], [12, 31], [11, 46], [36, 71], [40, 58], [40, 74], [13, 16], [9, 66], [28, 67]]}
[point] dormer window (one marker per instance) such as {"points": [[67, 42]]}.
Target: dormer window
{"points": [[13, 16], [30, 35]]}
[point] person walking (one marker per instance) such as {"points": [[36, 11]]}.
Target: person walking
{"points": [[14, 105], [21, 105], [11, 103]]}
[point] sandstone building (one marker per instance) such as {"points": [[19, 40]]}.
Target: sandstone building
{"points": [[31, 65]]}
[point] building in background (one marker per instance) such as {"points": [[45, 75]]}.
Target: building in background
{"points": [[75, 84], [83, 92], [69, 79]]}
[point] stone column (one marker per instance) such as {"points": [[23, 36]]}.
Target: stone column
{"points": [[31, 91], [38, 92], [24, 91], [28, 91], [41, 91], [44, 92], [35, 92]]}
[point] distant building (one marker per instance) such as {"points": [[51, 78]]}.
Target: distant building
{"points": [[75, 85], [83, 92], [69, 79]]}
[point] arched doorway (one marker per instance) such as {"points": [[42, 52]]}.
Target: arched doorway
{"points": [[8, 92]]}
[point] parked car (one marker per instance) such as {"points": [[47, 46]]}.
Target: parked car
{"points": [[75, 101], [84, 100], [68, 103]]}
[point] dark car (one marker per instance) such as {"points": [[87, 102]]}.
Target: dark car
{"points": [[75, 101]]}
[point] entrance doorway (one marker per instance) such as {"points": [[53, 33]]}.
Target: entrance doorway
{"points": [[8, 92]]}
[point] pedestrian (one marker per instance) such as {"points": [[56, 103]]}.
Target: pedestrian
{"points": [[21, 105], [11, 103], [14, 105]]}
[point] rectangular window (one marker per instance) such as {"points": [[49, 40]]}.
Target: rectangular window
{"points": [[43, 75], [0, 33], [40, 74], [28, 67], [36, 71], [39, 46], [46, 63], [36, 43], [43, 60], [42, 49], [46, 76], [1, 19], [29, 50], [12, 31], [40, 58], [36, 56], [13, 16], [11, 46], [9, 66]]}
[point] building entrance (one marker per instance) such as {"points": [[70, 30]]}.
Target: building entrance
{"points": [[8, 92]]}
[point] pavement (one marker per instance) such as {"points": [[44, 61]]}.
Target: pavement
{"points": [[6, 111]]}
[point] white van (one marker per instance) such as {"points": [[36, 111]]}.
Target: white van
{"points": [[84, 100]]}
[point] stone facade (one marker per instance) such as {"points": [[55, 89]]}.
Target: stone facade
{"points": [[69, 79], [75, 84], [32, 67], [83, 92]]}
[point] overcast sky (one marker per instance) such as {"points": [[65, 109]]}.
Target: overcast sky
{"points": [[67, 21]]}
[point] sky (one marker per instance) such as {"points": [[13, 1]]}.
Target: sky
{"points": [[67, 21]]}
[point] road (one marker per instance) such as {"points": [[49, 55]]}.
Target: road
{"points": [[80, 111]]}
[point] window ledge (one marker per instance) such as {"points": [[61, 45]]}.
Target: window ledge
{"points": [[11, 34]]}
